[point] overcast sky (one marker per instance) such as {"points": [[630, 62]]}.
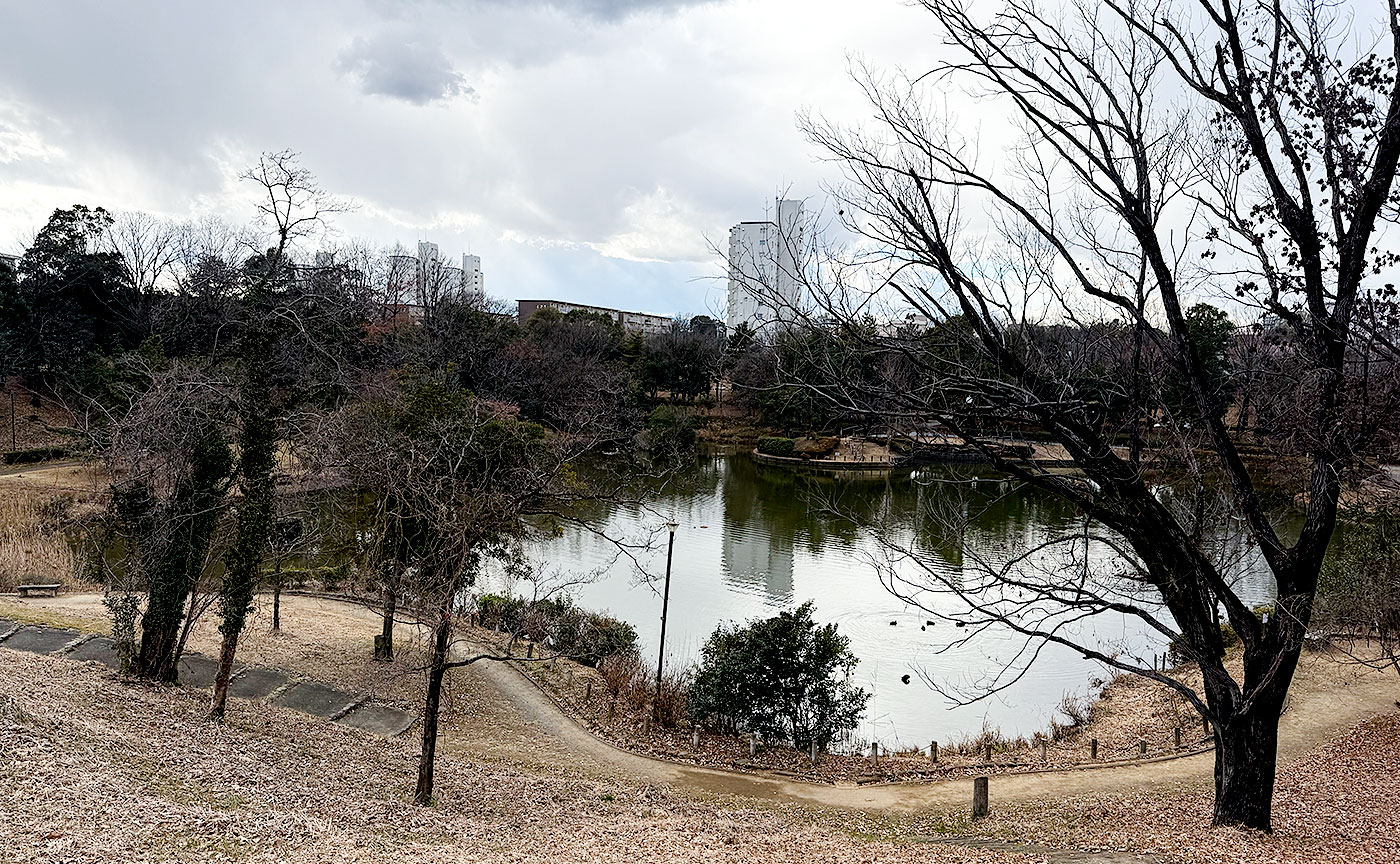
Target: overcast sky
{"points": [[587, 150]]}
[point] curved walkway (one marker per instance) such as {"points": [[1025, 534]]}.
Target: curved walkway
{"points": [[1321, 707], [508, 719]]}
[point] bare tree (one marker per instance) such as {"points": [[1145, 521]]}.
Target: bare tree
{"points": [[171, 469], [292, 207], [455, 476], [150, 247], [1161, 150]]}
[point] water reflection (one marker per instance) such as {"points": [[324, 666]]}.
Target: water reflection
{"points": [[755, 539], [758, 534]]}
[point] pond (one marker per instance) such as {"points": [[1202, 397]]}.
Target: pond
{"points": [[754, 540]]}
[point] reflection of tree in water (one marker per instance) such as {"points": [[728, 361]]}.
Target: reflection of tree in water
{"points": [[770, 512]]}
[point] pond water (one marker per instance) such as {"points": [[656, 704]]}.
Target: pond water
{"points": [[755, 540]]}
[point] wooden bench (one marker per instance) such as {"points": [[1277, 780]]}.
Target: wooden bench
{"points": [[26, 590]]}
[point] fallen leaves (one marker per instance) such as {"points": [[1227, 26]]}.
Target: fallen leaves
{"points": [[95, 769]]}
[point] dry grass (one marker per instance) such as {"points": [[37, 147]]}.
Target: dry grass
{"points": [[36, 522], [32, 545], [28, 612], [327, 640], [101, 770]]}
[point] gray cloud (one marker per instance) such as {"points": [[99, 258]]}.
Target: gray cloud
{"points": [[411, 69], [606, 10], [603, 136]]}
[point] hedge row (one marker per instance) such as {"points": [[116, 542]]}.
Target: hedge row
{"points": [[772, 445], [32, 455], [559, 625]]}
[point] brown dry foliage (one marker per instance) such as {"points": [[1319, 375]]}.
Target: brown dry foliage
{"points": [[98, 769], [34, 541]]}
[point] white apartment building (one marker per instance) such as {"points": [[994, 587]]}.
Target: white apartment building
{"points": [[427, 278], [765, 277], [472, 280], [430, 267]]}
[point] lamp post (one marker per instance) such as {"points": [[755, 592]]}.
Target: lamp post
{"points": [[665, 602]]}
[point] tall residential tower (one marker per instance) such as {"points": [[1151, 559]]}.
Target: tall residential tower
{"points": [[765, 277]]}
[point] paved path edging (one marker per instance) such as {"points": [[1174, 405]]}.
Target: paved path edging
{"points": [[384, 720]]}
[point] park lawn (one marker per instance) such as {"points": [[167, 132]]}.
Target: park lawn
{"points": [[98, 769]]}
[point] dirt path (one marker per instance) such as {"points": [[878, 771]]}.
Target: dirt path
{"points": [[1319, 709], [501, 716], [1324, 703], [47, 473]]}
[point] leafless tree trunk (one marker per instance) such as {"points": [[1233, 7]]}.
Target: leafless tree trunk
{"points": [[1115, 192], [385, 649], [437, 668]]}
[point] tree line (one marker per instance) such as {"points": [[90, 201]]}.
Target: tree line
{"points": [[217, 370]]}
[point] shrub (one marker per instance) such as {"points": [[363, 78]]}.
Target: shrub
{"points": [[1358, 591], [669, 431], [499, 612], [785, 677], [624, 676], [629, 681], [1079, 710], [32, 455], [583, 636], [602, 637], [772, 445]]}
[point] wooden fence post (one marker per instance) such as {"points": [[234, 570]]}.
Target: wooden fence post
{"points": [[979, 798], [695, 738], [1043, 747], [933, 751], [1177, 735], [1093, 749], [1142, 747]]}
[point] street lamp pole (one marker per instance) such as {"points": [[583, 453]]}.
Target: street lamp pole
{"points": [[665, 602]]}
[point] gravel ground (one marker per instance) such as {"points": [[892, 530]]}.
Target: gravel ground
{"points": [[1335, 804], [75, 743], [98, 770]]}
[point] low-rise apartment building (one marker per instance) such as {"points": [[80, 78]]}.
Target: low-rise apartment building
{"points": [[632, 322]]}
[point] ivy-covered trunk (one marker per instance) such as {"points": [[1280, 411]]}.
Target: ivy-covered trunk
{"points": [[257, 444], [195, 509]]}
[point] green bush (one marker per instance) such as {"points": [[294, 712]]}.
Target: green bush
{"points": [[786, 678], [772, 445], [669, 430], [33, 454], [500, 612], [587, 637]]}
